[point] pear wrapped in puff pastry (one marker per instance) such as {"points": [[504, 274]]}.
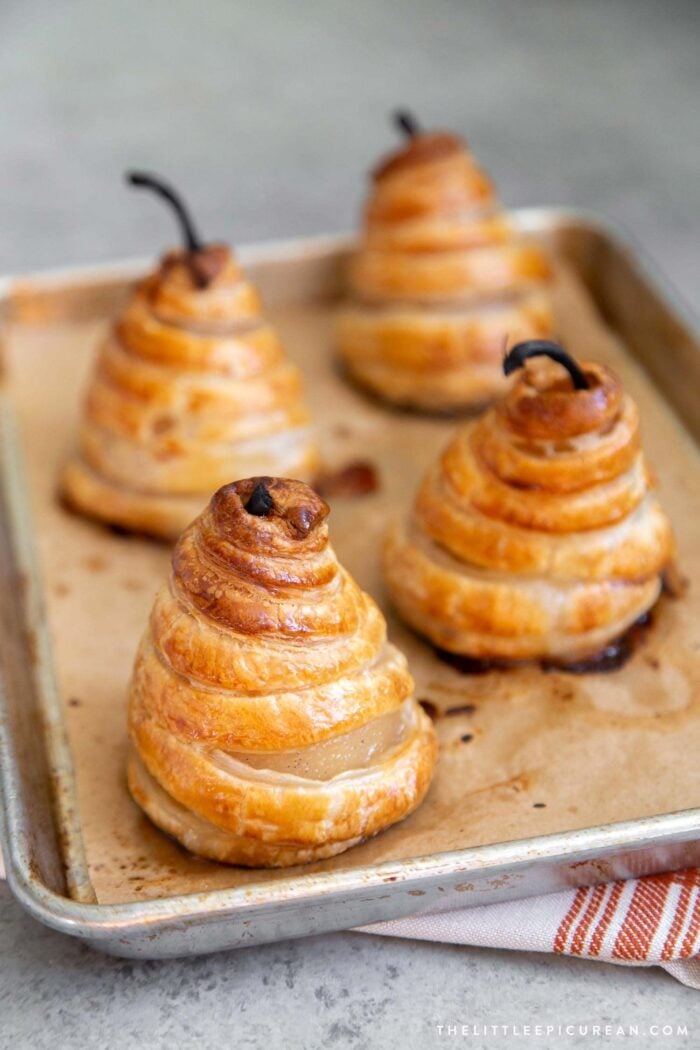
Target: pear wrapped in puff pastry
{"points": [[440, 279], [272, 723], [191, 388], [536, 535]]}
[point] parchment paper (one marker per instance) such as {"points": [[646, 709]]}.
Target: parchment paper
{"points": [[540, 752]]}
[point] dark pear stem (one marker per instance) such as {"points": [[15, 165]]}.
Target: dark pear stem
{"points": [[260, 501], [406, 122], [193, 242], [519, 354]]}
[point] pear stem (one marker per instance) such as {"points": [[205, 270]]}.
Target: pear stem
{"points": [[407, 123], [192, 241], [519, 354], [260, 502]]}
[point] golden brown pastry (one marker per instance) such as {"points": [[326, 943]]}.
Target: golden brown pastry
{"points": [[440, 280], [272, 723], [536, 535], [192, 388]]}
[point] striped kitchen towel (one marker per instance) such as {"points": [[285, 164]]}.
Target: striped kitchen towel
{"points": [[642, 922]]}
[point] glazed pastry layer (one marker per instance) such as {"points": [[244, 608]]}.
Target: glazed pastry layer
{"points": [[272, 722], [536, 535], [191, 388], [439, 281]]}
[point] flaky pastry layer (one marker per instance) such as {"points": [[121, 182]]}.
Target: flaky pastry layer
{"points": [[266, 704], [190, 389], [438, 282], [537, 534], [207, 840]]}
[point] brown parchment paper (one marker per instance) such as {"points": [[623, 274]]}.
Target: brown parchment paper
{"points": [[530, 753]]}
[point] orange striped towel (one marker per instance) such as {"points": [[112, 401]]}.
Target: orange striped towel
{"points": [[642, 922]]}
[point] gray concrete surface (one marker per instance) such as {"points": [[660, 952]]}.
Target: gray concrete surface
{"points": [[267, 114], [348, 990]]}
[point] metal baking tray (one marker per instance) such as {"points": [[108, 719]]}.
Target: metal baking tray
{"points": [[43, 833]]}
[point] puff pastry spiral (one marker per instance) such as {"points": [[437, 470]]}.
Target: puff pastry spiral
{"points": [[536, 535], [272, 723], [440, 279], [191, 388]]}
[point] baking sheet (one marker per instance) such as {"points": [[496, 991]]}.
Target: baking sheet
{"points": [[546, 751]]}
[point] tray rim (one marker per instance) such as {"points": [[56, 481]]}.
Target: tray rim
{"points": [[529, 220], [93, 921]]}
